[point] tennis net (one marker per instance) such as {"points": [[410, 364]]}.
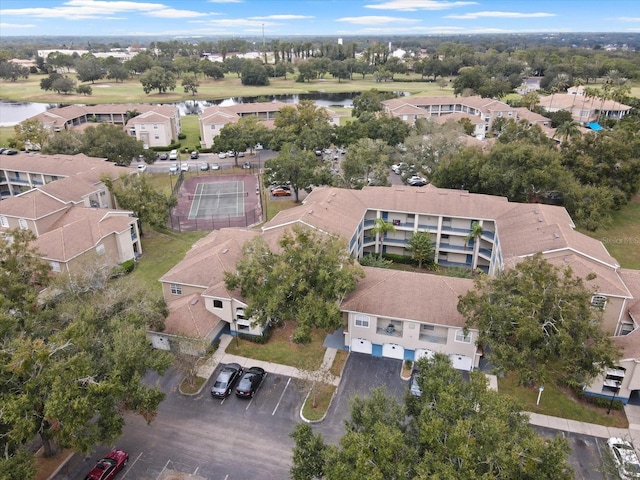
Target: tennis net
{"points": [[218, 195]]}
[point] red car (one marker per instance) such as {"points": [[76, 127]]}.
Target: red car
{"points": [[109, 466], [281, 192]]}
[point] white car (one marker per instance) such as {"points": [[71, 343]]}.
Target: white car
{"points": [[173, 155], [141, 167], [173, 168], [184, 167], [625, 458], [397, 168], [215, 166], [222, 155]]}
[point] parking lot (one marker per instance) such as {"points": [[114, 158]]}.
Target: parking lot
{"points": [[247, 439]]}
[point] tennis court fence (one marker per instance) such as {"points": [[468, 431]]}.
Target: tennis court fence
{"points": [[183, 223]]}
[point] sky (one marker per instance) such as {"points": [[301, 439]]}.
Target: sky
{"points": [[279, 18]]}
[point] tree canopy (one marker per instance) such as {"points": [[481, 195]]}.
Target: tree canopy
{"points": [[292, 166], [536, 319], [454, 430], [303, 281], [71, 364]]}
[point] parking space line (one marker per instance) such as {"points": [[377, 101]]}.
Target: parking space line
{"points": [[282, 395], [124, 474]]}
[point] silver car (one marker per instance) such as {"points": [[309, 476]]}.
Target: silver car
{"points": [[225, 380]]}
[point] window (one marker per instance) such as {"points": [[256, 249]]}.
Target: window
{"points": [[142, 127], [599, 302], [55, 266], [100, 249], [460, 337], [157, 137], [23, 223], [155, 126], [626, 328], [175, 289], [4, 222], [217, 304], [362, 321]]}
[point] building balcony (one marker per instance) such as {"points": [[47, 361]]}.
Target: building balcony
{"points": [[450, 229], [455, 248], [432, 339]]}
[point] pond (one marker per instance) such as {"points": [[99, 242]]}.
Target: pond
{"points": [[12, 113]]}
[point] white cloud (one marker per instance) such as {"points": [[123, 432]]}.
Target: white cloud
{"points": [[415, 5], [474, 15], [239, 22], [283, 17], [85, 9], [15, 25], [225, 1], [373, 20], [627, 19], [173, 13]]}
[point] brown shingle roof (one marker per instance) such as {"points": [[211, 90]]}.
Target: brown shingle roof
{"points": [[31, 205], [408, 295], [80, 229], [188, 317]]}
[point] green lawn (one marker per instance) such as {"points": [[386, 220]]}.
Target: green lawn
{"points": [[281, 349], [191, 128], [131, 91], [559, 403], [160, 252], [622, 238]]}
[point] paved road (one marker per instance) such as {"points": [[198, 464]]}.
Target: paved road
{"points": [[236, 439]]}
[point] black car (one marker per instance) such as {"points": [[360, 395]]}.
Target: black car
{"points": [[225, 380], [250, 382], [195, 155]]}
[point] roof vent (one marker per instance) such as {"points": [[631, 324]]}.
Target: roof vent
{"points": [[556, 235], [225, 251], [194, 301], [310, 212], [540, 219]]}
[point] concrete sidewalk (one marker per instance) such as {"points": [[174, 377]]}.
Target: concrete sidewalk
{"points": [[632, 411]]}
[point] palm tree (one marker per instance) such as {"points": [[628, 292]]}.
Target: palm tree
{"points": [[530, 100], [562, 82], [474, 234], [381, 227], [604, 96], [567, 130], [592, 93]]}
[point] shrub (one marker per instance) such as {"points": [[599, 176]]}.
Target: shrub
{"points": [[259, 339], [396, 258], [124, 268], [182, 136], [375, 261]]}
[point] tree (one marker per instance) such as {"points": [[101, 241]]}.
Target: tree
{"points": [[211, 70], [366, 161], [304, 125], [370, 101], [135, 193], [47, 82], [380, 228], [65, 142], [421, 247], [31, 134], [303, 281], [233, 137], [190, 84], [157, 78], [308, 453], [117, 72], [535, 319], [84, 90], [338, 69], [71, 371], [12, 71], [254, 73], [89, 68], [293, 166], [63, 85], [450, 431], [567, 130], [111, 142]]}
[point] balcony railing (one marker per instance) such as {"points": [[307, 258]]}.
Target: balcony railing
{"points": [[432, 339]]}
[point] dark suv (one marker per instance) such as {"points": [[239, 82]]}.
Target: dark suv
{"points": [[227, 377]]}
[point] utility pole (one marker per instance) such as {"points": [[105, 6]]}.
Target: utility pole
{"points": [[264, 49]]}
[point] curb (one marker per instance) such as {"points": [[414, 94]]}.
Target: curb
{"points": [[61, 466], [304, 419]]}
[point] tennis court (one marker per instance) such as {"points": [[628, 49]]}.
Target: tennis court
{"points": [[218, 199]]}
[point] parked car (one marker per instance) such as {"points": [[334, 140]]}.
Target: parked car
{"points": [[417, 181], [273, 186], [109, 466], [281, 192], [225, 380], [141, 167], [625, 458], [184, 167], [241, 154], [204, 166], [317, 152], [173, 155], [215, 166], [414, 388], [163, 156], [258, 146], [222, 155], [250, 382], [194, 155], [173, 168], [398, 167], [9, 151], [246, 165]]}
